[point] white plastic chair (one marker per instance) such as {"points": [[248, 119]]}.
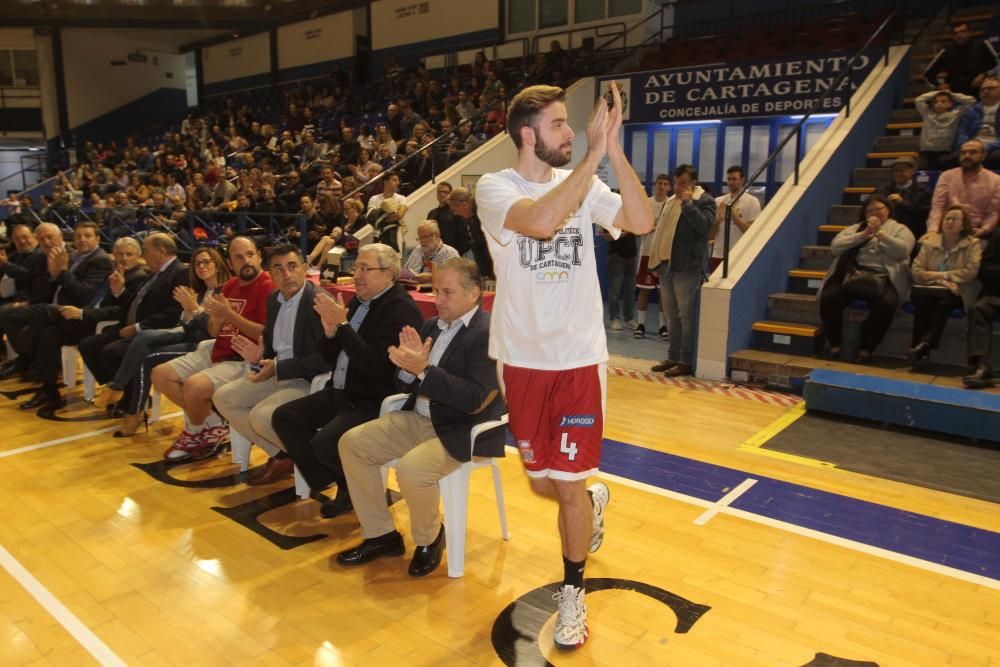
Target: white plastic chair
{"points": [[70, 353], [455, 489]]}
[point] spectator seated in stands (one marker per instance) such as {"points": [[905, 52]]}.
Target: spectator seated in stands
{"points": [[911, 201], [962, 64], [430, 253], [970, 184], [77, 284], [149, 307], [944, 278], [152, 347], [191, 381], [386, 211], [342, 235], [941, 110], [449, 395], [463, 208], [981, 316], [871, 265], [464, 143], [981, 121], [356, 338], [282, 363]]}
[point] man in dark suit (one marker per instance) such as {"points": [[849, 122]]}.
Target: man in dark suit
{"points": [[355, 343], [25, 268], [911, 201], [986, 308], [452, 384], [149, 305], [38, 332], [288, 357]]}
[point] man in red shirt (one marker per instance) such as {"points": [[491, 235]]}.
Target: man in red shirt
{"points": [[190, 381]]}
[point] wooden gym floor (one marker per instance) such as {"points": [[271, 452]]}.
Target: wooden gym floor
{"points": [[717, 553]]}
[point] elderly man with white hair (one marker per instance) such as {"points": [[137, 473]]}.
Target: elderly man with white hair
{"points": [[431, 252]]}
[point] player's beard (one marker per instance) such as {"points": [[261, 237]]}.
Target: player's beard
{"points": [[554, 157]]}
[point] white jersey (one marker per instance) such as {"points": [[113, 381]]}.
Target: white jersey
{"points": [[548, 313], [749, 208]]}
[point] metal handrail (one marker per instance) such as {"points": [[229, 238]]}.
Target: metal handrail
{"points": [[796, 131]]}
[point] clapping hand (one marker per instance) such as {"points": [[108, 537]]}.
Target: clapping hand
{"points": [[252, 352], [331, 310], [187, 297], [411, 355], [58, 259], [218, 307], [116, 281]]}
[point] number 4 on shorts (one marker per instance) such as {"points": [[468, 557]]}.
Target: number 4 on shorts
{"points": [[568, 448]]}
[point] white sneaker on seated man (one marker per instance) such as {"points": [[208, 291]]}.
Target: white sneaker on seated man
{"points": [[191, 381]]}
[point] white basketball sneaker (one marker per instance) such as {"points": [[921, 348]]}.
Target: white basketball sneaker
{"points": [[571, 622], [599, 497]]}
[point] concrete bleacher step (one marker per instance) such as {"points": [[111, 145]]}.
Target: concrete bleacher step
{"points": [[912, 404], [886, 158], [853, 196], [815, 257], [790, 337], [805, 281], [897, 143], [791, 307], [874, 176], [906, 116], [844, 214], [904, 129], [825, 233]]}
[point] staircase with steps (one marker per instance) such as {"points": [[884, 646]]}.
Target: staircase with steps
{"points": [[793, 330]]}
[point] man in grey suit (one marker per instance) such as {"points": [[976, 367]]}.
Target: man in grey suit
{"points": [[283, 362], [452, 384]]}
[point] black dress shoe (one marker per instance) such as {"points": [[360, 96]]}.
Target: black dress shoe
{"points": [[921, 350], [390, 544], [426, 559], [48, 411], [982, 378], [663, 366], [40, 399], [339, 505], [9, 369]]}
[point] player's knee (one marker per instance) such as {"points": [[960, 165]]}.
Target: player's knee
{"points": [[542, 486]]}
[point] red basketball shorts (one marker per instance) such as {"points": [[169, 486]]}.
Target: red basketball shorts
{"points": [[557, 419]]}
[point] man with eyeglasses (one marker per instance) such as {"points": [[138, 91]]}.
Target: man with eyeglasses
{"points": [[982, 121], [430, 252], [356, 340], [282, 361]]}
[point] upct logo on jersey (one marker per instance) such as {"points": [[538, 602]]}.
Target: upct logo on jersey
{"points": [[552, 260], [579, 421]]}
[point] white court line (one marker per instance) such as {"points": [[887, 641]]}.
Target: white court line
{"points": [[73, 625], [936, 568], [73, 438], [725, 501]]}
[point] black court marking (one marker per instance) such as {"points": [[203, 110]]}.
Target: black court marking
{"points": [[160, 471], [826, 660], [515, 632], [57, 418], [248, 516]]}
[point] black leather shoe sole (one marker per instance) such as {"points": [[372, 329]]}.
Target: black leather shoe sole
{"points": [[369, 550], [334, 508]]}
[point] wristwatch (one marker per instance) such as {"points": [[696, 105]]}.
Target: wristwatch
{"points": [[422, 374]]}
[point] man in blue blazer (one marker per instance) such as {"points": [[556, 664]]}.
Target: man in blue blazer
{"points": [[453, 386]]}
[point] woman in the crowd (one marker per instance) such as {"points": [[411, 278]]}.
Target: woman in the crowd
{"points": [[871, 265], [154, 347], [944, 278]]}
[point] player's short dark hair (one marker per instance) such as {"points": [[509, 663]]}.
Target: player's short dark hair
{"points": [[527, 105], [686, 169], [736, 169], [283, 249], [662, 177]]}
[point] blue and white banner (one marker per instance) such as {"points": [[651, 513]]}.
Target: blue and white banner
{"points": [[739, 90]]}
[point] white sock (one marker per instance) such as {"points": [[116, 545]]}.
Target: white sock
{"points": [[663, 320], [642, 317], [195, 428]]}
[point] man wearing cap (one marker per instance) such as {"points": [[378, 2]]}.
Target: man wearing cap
{"points": [[911, 201]]}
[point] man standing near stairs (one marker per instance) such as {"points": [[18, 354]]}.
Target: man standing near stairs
{"points": [[981, 317], [962, 64], [679, 256]]}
